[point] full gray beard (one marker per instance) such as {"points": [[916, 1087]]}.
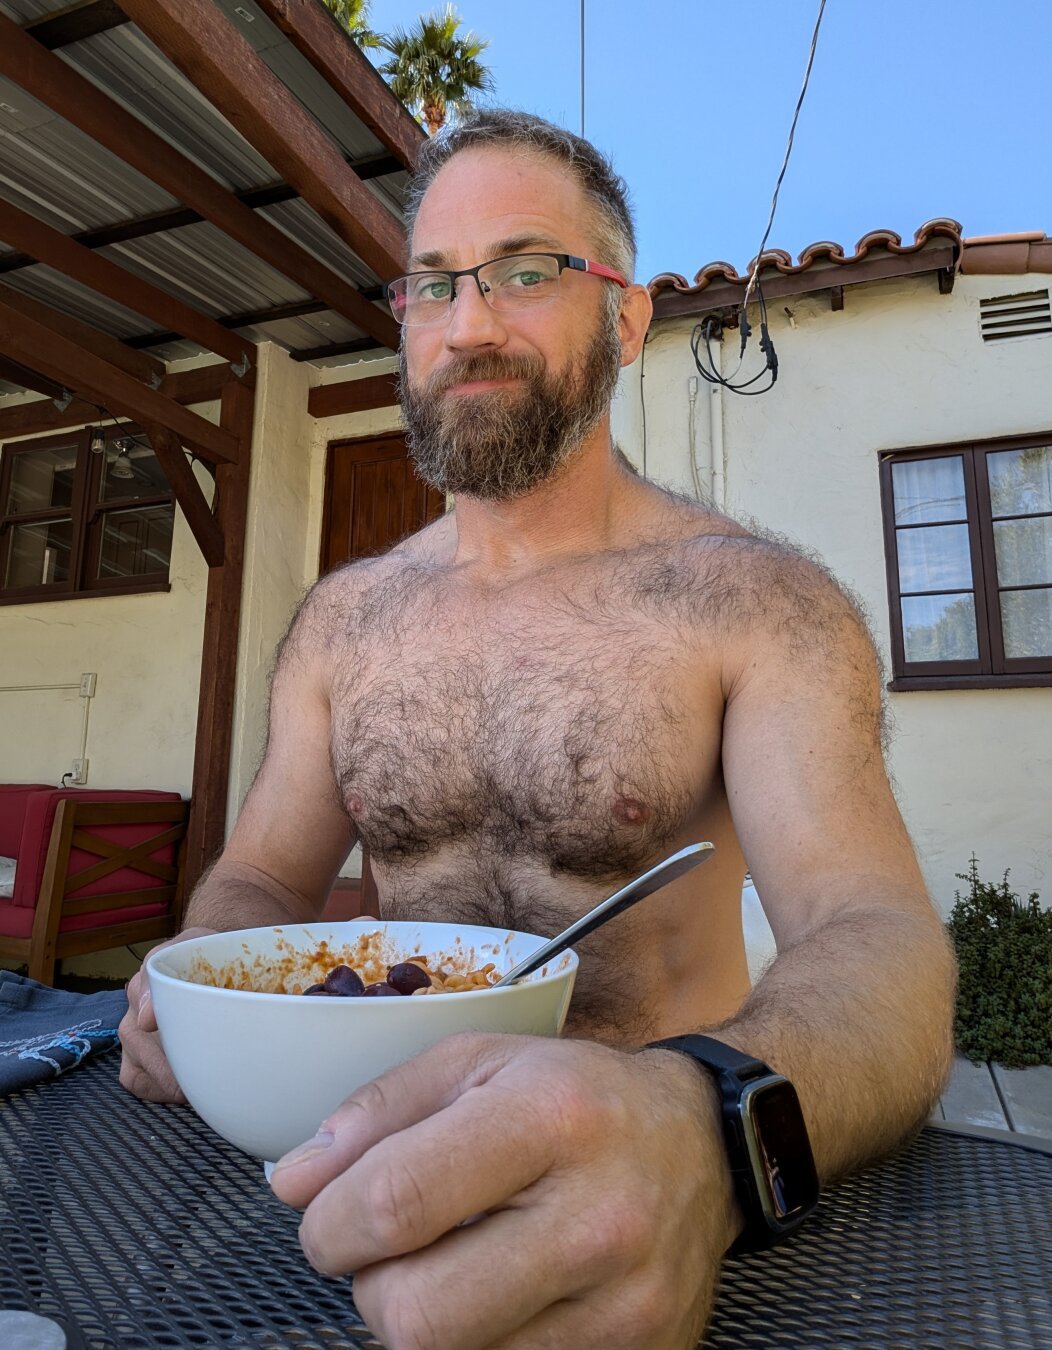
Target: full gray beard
{"points": [[500, 445]]}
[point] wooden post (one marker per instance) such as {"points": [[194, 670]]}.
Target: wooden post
{"points": [[215, 711]]}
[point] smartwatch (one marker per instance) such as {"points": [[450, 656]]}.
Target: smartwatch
{"points": [[768, 1148]]}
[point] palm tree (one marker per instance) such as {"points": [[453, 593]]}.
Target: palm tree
{"points": [[354, 16], [433, 70]]}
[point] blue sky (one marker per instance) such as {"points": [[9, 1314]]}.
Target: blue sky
{"points": [[913, 111]]}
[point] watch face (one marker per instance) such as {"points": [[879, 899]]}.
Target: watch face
{"points": [[781, 1151]]}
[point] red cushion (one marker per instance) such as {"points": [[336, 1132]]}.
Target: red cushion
{"points": [[16, 921], [36, 836], [14, 798]]}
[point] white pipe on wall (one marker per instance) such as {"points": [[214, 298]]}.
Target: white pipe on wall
{"points": [[717, 452], [85, 687]]}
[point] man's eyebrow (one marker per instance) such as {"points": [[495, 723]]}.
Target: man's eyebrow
{"points": [[516, 243]]}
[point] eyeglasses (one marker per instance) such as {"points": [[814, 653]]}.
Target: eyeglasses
{"points": [[515, 283]]}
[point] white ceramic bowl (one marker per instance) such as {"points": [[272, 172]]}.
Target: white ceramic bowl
{"points": [[265, 1069]]}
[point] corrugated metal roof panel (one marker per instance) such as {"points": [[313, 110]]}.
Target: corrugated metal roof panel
{"points": [[302, 223], [60, 292], [50, 168], [205, 268]]}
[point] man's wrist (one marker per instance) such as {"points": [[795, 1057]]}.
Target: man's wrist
{"points": [[701, 1101]]}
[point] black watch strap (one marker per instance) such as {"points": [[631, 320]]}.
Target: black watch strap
{"points": [[771, 1209], [715, 1055]]}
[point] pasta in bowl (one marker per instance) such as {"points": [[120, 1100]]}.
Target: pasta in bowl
{"points": [[263, 1060]]}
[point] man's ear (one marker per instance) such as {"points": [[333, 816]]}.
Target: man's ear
{"points": [[637, 309]]}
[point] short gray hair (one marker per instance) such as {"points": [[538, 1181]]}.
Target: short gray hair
{"points": [[506, 128]]}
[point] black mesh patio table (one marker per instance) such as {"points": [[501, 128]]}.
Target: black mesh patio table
{"points": [[132, 1225]]}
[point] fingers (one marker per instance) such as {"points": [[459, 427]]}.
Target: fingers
{"points": [[145, 1071], [147, 1014], [396, 1100], [418, 1184], [507, 1269]]}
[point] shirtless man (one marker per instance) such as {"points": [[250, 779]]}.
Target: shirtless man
{"points": [[566, 678]]}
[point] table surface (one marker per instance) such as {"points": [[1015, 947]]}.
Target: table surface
{"points": [[135, 1226]]}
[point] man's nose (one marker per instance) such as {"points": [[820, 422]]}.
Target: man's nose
{"points": [[473, 322]]}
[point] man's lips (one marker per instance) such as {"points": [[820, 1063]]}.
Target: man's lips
{"points": [[481, 386]]}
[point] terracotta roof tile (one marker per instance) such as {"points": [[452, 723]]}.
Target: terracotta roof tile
{"points": [[1010, 254], [819, 256]]}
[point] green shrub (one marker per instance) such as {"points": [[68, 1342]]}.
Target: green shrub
{"points": [[1004, 951]]}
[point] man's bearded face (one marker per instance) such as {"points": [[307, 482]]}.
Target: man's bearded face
{"points": [[501, 443]]}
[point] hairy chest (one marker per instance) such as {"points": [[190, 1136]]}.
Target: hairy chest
{"points": [[573, 730]]}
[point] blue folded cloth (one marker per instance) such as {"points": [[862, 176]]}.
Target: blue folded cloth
{"points": [[45, 1031]]}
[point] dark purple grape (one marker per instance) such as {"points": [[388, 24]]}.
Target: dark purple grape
{"points": [[408, 976], [381, 990], [344, 981], [319, 989]]}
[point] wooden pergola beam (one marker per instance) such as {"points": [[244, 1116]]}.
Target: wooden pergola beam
{"points": [[13, 373], [350, 396], [316, 34], [198, 37], [42, 349], [59, 87], [76, 22], [111, 349], [57, 250], [188, 494], [201, 384], [158, 222]]}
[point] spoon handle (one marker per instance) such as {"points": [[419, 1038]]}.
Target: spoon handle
{"points": [[659, 875]]}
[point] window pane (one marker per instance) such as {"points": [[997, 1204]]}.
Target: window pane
{"points": [[39, 554], [131, 470], [939, 628], [934, 559], [41, 479], [1020, 481], [1026, 619], [136, 542], [1024, 551], [929, 489]]}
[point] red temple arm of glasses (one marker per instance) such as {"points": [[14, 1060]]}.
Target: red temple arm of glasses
{"points": [[600, 270]]}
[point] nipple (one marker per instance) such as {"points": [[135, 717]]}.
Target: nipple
{"points": [[629, 811], [355, 803]]}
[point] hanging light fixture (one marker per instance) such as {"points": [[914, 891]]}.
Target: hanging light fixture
{"points": [[121, 466], [98, 440]]}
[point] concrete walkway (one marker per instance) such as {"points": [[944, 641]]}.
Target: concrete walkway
{"points": [[999, 1098]]}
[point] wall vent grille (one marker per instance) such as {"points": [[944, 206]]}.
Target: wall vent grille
{"points": [[1008, 316]]}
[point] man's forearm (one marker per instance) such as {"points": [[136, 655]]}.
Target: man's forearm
{"points": [[858, 1015], [235, 895]]}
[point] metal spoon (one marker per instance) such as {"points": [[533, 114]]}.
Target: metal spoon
{"points": [[659, 875]]}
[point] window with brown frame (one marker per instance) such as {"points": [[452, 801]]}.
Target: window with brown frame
{"points": [[968, 542], [85, 513]]}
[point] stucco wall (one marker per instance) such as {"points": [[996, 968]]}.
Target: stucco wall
{"points": [[899, 366]]}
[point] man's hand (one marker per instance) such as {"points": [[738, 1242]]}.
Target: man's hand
{"points": [[144, 1069], [596, 1181]]}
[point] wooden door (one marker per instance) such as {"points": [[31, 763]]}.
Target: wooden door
{"points": [[373, 498]]}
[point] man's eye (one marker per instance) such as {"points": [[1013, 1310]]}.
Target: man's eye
{"points": [[526, 278], [432, 288]]}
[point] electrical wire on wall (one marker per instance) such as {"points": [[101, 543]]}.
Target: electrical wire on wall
{"points": [[707, 365]]}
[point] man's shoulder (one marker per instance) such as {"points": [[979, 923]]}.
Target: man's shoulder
{"points": [[744, 581], [335, 597]]}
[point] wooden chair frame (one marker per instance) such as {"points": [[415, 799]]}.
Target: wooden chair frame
{"points": [[72, 829]]}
